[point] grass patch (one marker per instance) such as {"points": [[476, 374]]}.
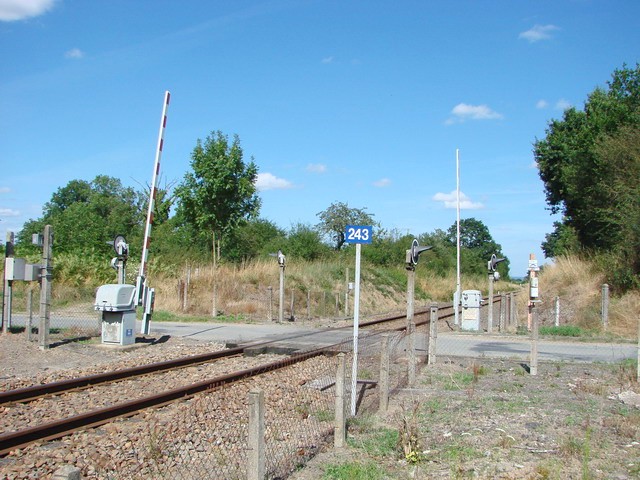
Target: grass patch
{"points": [[379, 443], [459, 380], [166, 316], [353, 471], [564, 331]]}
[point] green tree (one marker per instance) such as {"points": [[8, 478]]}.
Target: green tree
{"points": [[85, 215], [336, 217], [576, 175], [304, 242], [220, 190], [588, 164], [476, 246], [253, 238]]}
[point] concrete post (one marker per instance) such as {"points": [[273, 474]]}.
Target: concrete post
{"points": [[45, 289], [255, 442], [557, 312], [503, 311], [411, 328], [433, 333], [346, 293], [533, 367], [281, 297], [384, 373], [605, 306], [490, 305], [270, 303], [29, 325], [7, 286], [340, 431], [67, 472], [514, 310]]}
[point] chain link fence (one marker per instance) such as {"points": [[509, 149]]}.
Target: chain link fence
{"points": [[208, 436], [71, 314]]}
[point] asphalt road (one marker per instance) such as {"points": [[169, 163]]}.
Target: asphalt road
{"points": [[453, 344]]}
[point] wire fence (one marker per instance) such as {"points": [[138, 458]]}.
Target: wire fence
{"points": [[70, 317], [208, 436]]}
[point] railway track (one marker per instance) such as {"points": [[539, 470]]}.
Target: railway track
{"points": [[64, 426]]}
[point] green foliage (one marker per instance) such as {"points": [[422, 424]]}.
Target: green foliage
{"points": [[220, 192], [589, 162], [387, 248], [85, 215], [476, 247], [252, 239], [562, 241], [562, 331], [305, 243], [336, 217]]}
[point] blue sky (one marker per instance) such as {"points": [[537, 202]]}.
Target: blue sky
{"points": [[362, 102]]}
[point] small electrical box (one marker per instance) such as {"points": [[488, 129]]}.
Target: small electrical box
{"points": [[14, 268], [118, 307], [115, 298], [471, 302], [32, 272], [471, 299], [533, 287]]}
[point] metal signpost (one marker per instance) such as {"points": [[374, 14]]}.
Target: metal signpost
{"points": [[357, 234]]}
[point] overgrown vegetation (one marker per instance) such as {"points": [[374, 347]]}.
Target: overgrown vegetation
{"points": [[590, 165]]}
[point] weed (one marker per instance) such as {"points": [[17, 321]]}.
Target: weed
{"points": [[325, 415], [627, 372], [409, 434], [477, 370], [380, 443]]}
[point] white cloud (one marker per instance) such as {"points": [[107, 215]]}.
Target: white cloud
{"points": [[464, 111], [268, 181], [8, 212], [450, 201], [74, 53], [383, 182], [562, 104], [327, 59], [538, 32], [542, 104], [316, 168], [5, 189], [11, 10]]}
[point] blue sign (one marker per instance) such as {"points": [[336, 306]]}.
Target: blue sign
{"points": [[358, 234]]}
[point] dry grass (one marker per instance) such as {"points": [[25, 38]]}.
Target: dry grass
{"points": [[578, 284]]}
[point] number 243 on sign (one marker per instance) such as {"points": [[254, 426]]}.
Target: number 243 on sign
{"points": [[358, 234]]}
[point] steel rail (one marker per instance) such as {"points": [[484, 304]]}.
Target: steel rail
{"points": [[63, 427], [36, 391], [60, 428]]}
